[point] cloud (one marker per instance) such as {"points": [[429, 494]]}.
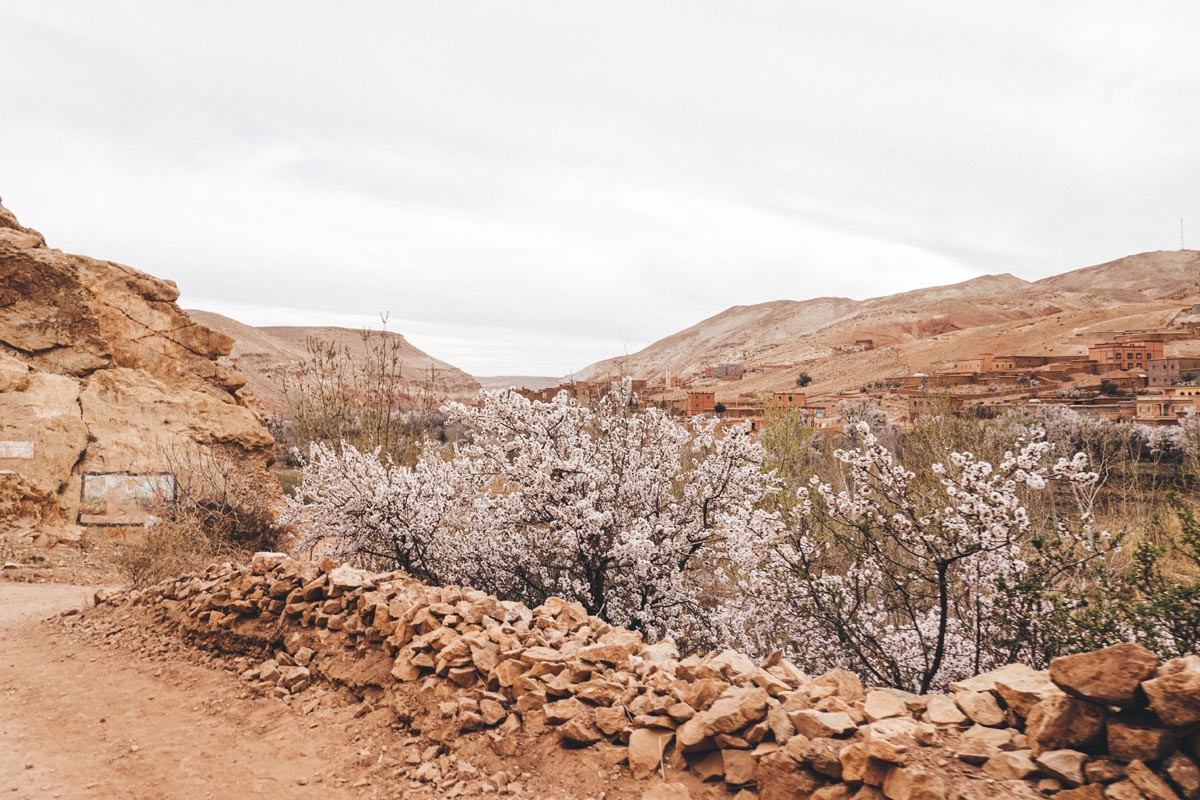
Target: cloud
{"points": [[532, 187]]}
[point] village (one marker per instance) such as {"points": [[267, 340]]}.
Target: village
{"points": [[1128, 377]]}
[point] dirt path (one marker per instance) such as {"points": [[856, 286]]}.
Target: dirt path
{"points": [[81, 721]]}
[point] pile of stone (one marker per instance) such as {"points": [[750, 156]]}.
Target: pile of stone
{"points": [[1109, 724]]}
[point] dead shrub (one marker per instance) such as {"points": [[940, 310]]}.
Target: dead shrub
{"points": [[235, 508], [220, 510], [168, 547]]}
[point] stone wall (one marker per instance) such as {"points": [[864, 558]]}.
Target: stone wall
{"points": [[101, 371], [1115, 723]]}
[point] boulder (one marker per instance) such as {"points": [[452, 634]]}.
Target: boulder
{"points": [[736, 708], [1185, 774], [913, 783], [738, 767], [102, 372], [942, 710], [1123, 790], [1022, 689], [1138, 736], [1175, 696], [1062, 722], [646, 747], [1012, 765], [667, 791], [822, 724], [1151, 785], [881, 704], [780, 777], [980, 707], [1065, 765], [1110, 676]]}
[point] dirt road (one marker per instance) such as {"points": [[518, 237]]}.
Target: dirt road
{"points": [[82, 721]]}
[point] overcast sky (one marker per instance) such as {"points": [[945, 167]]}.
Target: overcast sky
{"points": [[530, 187]]}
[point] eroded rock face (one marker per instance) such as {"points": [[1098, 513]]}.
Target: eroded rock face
{"points": [[101, 371]]}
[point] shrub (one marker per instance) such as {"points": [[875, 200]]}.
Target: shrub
{"points": [[630, 513], [912, 589], [237, 509], [364, 509], [167, 548]]}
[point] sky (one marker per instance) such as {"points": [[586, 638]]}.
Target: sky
{"points": [[528, 187]]}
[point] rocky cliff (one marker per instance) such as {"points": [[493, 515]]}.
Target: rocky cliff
{"points": [[101, 372]]}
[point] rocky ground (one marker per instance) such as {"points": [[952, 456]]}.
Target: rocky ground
{"points": [[83, 715], [108, 706], [417, 691]]}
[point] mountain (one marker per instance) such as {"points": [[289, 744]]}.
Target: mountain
{"points": [[924, 328], [264, 355]]}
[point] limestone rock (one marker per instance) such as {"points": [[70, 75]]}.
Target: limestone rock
{"points": [[881, 704], [913, 783], [1013, 765], [1175, 696], [1123, 790], [1110, 676], [980, 707], [667, 791], [1185, 774], [739, 767], [101, 371], [1139, 736], [1062, 722], [1024, 688], [1065, 765], [734, 709], [1152, 786], [646, 748], [818, 724], [780, 777], [942, 710]]}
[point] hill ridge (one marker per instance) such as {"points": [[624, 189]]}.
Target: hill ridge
{"points": [[982, 314]]}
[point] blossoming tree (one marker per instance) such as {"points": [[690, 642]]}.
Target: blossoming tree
{"points": [[364, 509], [914, 586], [632, 513]]}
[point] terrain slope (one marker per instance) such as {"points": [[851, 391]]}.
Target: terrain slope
{"points": [[926, 328], [264, 355]]}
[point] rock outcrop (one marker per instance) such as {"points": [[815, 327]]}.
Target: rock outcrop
{"points": [[100, 371], [515, 675]]}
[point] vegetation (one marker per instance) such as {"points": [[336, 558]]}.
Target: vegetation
{"points": [[218, 511], [368, 401], [913, 556]]}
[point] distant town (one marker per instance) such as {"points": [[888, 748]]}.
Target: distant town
{"points": [[1128, 377]]}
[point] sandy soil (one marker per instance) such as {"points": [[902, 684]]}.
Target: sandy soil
{"points": [[79, 721]]}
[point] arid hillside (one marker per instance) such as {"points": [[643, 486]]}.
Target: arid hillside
{"points": [[266, 354], [917, 330]]}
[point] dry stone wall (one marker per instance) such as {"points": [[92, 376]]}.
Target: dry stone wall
{"points": [[100, 371], [1115, 723]]}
